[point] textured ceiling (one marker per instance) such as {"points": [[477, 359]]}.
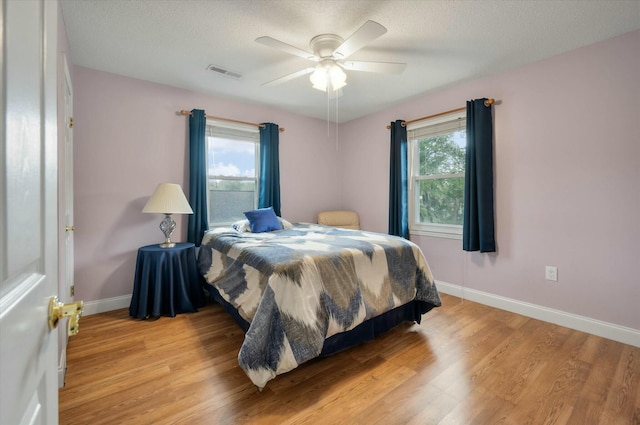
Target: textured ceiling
{"points": [[443, 42]]}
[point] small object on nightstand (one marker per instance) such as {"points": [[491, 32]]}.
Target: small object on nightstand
{"points": [[166, 282], [168, 199]]}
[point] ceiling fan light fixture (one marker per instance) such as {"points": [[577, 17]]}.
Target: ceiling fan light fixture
{"points": [[338, 77], [319, 78], [328, 76]]}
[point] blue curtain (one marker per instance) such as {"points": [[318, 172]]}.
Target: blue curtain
{"points": [[478, 224], [398, 181], [269, 195], [199, 220]]}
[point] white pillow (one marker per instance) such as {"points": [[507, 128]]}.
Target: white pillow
{"points": [[243, 226], [285, 223]]}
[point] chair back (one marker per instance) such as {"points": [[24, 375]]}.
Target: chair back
{"points": [[342, 219]]}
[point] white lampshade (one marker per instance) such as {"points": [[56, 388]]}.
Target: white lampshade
{"points": [[168, 198]]}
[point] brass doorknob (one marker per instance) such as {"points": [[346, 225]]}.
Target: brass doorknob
{"points": [[58, 310]]}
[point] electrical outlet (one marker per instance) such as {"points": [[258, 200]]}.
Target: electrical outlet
{"points": [[551, 273]]}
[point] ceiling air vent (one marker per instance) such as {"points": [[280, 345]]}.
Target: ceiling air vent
{"points": [[227, 72]]}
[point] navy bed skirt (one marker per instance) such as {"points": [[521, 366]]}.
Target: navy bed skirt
{"points": [[366, 331]]}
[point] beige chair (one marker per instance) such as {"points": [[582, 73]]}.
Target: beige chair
{"points": [[342, 219]]}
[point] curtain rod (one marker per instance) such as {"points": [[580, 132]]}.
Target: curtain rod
{"points": [[183, 112], [487, 102]]}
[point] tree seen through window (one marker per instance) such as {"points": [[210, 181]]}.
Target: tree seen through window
{"points": [[440, 180]]}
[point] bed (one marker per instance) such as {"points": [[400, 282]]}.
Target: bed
{"points": [[310, 290]]}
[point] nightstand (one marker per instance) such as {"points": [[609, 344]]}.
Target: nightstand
{"points": [[166, 282]]}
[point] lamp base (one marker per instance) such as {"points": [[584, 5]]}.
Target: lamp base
{"points": [[167, 226]]}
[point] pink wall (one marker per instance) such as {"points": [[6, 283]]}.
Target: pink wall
{"points": [[128, 138], [567, 178]]}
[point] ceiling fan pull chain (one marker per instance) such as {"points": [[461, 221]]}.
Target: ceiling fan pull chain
{"points": [[328, 116], [337, 144]]}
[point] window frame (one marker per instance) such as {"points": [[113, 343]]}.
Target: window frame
{"points": [[236, 129], [448, 231]]}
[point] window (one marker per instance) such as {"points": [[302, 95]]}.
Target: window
{"points": [[233, 160], [436, 157]]}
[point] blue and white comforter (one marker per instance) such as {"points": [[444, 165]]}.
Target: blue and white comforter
{"points": [[299, 286]]}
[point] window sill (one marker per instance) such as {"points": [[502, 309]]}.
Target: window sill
{"points": [[438, 233]]}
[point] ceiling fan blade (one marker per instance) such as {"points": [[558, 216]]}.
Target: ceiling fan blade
{"points": [[380, 67], [277, 44], [289, 77], [364, 35]]}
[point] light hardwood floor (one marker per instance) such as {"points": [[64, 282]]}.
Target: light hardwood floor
{"points": [[465, 364]]}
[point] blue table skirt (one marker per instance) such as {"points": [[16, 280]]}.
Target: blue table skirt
{"points": [[166, 282]]}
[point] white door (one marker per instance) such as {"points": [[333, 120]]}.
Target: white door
{"points": [[67, 185], [28, 214], [65, 210]]}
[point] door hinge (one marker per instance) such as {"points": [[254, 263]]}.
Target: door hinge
{"points": [[72, 290], [71, 122]]}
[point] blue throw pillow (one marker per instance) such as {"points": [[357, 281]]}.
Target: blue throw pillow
{"points": [[263, 220]]}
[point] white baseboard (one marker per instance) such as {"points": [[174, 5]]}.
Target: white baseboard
{"points": [[581, 323], [107, 304]]}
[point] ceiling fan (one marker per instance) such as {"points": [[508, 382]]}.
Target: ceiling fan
{"points": [[331, 52]]}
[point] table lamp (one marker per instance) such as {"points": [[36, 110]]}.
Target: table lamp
{"points": [[168, 199]]}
